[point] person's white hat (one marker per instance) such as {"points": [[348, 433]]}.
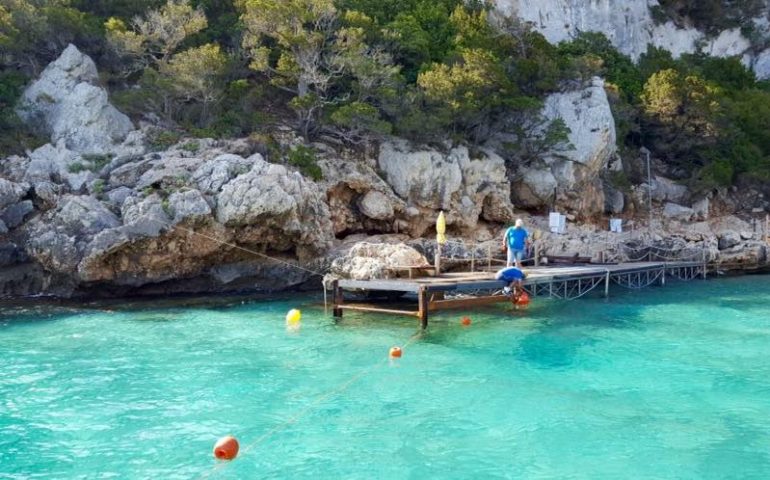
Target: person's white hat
{"points": [[519, 222]]}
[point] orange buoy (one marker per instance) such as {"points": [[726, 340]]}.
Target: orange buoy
{"points": [[395, 352], [226, 448], [523, 300], [466, 321]]}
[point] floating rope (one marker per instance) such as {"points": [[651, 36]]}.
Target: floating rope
{"points": [[310, 408]]}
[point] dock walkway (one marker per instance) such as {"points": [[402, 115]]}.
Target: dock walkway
{"points": [[469, 289]]}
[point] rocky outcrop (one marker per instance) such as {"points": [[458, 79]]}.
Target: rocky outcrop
{"points": [[470, 188], [571, 177], [629, 25], [67, 104], [280, 208], [369, 261]]}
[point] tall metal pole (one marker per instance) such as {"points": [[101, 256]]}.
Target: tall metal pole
{"points": [[649, 188]]}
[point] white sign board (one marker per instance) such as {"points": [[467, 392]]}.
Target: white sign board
{"points": [[616, 225], [557, 222]]}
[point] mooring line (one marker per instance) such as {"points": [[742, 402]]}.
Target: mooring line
{"points": [[308, 409], [238, 247]]}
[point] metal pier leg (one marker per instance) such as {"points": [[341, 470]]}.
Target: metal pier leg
{"points": [[422, 299], [338, 299], [607, 284], [663, 277]]}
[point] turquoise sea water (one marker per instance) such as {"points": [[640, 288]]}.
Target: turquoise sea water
{"points": [[671, 382]]}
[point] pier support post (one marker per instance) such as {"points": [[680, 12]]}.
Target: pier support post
{"points": [[338, 299], [663, 277], [607, 284], [422, 299]]}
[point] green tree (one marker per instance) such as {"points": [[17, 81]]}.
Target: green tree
{"points": [[152, 39], [307, 60], [197, 75]]}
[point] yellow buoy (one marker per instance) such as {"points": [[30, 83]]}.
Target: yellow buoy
{"points": [[293, 317]]}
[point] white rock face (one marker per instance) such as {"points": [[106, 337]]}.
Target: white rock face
{"points": [[664, 189], [376, 205], [367, 261], [678, 212], [762, 65], [573, 175], [67, 104], [628, 24], [425, 178], [466, 188], [278, 206]]}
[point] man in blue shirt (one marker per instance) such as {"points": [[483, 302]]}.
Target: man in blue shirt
{"points": [[516, 241], [514, 281]]}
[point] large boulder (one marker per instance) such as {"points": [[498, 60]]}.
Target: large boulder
{"points": [[675, 211], [280, 209], [664, 189], [60, 237], [573, 175], [368, 261], [469, 187], [359, 199], [11, 192], [67, 104]]}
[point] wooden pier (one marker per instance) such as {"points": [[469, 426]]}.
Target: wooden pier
{"points": [[471, 289]]}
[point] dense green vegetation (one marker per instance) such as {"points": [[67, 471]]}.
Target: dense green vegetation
{"points": [[710, 16], [705, 116], [429, 70]]}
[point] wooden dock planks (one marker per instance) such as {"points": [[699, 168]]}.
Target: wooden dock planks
{"points": [[430, 290]]}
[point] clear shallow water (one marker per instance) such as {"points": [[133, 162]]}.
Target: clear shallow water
{"points": [[670, 383]]}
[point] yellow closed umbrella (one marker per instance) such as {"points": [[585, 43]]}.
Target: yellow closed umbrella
{"points": [[441, 229]]}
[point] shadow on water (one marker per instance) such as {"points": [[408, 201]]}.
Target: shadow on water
{"points": [[147, 309]]}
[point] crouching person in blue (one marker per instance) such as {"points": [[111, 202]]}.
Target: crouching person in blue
{"points": [[514, 281]]}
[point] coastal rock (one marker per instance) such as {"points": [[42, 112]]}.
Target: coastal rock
{"points": [[58, 239], [429, 180], [11, 192], [664, 189], [282, 209], [146, 216], [212, 175], [188, 205], [762, 65], [367, 261], [118, 196], [14, 215], [57, 164], [728, 239], [678, 212], [376, 205], [426, 178], [701, 208], [573, 174], [67, 104], [628, 24], [47, 193], [614, 200], [359, 199]]}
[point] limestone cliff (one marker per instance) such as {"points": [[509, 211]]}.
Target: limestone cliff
{"points": [[631, 28]]}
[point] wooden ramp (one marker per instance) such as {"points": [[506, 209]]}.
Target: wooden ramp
{"points": [[471, 289]]}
